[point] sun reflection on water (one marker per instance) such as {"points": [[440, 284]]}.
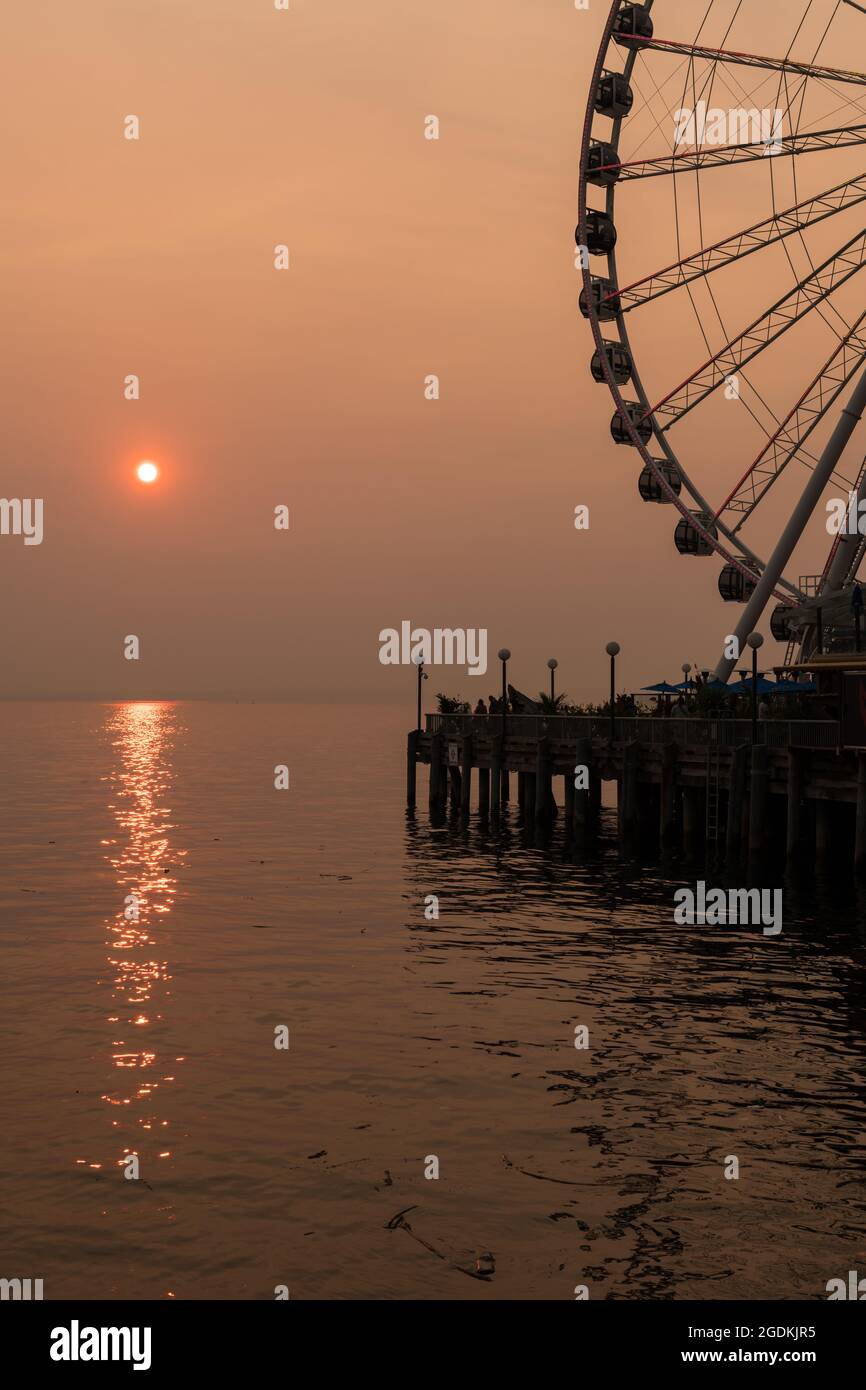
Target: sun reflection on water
{"points": [[145, 864]]}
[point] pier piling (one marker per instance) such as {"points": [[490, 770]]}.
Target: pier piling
{"points": [[455, 781], [529, 799], [543, 792], [794, 831], [568, 801], [823, 828], [411, 768], [759, 800], [668, 809], [736, 802], [484, 791], [628, 793], [594, 797], [582, 815], [436, 771], [466, 758]]}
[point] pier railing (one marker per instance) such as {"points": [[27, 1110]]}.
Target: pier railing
{"points": [[726, 733]]}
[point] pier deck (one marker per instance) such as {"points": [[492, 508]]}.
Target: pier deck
{"points": [[679, 780]]}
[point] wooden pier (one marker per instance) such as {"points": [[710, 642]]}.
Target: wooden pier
{"points": [[690, 783]]}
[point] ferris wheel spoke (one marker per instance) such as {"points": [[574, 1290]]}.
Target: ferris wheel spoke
{"points": [[795, 429], [605, 171], [790, 309], [749, 60], [743, 243]]}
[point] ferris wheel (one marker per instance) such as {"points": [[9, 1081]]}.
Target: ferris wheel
{"points": [[721, 236]]}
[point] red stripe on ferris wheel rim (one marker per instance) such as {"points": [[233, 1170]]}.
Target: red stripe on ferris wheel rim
{"points": [[842, 74]]}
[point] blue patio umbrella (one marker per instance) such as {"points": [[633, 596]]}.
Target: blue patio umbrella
{"points": [[795, 688], [661, 689], [765, 687], [718, 687]]}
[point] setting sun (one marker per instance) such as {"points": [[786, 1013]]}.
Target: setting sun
{"points": [[147, 472]]}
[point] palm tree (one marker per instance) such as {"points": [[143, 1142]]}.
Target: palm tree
{"points": [[555, 706]]}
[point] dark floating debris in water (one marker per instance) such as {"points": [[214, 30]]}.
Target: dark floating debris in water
{"points": [[543, 1177], [567, 1216], [397, 1219], [320, 1154], [484, 1265]]}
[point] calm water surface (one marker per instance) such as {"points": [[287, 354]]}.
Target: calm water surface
{"points": [[409, 1037]]}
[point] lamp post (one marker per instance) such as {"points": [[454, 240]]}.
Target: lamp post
{"points": [[685, 668], [755, 640], [504, 655], [422, 676], [551, 666], [612, 649]]}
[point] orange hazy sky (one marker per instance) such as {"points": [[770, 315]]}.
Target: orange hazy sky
{"points": [[408, 257]]}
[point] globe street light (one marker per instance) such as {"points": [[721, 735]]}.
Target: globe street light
{"points": [[685, 668], [755, 640], [551, 666], [504, 655], [612, 649]]}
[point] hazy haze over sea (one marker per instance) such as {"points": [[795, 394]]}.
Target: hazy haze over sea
{"points": [[409, 1037]]}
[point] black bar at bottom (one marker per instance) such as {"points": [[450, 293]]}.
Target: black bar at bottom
{"points": [[160, 1339]]}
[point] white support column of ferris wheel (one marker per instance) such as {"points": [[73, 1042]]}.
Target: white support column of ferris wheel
{"points": [[846, 550], [818, 480]]}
